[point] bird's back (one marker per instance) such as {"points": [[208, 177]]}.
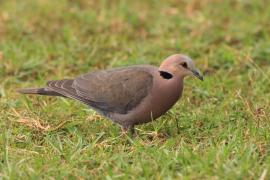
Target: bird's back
{"points": [[116, 90]]}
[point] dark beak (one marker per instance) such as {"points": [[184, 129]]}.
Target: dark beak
{"points": [[197, 74]]}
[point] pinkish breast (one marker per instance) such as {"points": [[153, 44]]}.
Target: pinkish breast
{"points": [[162, 96], [165, 94]]}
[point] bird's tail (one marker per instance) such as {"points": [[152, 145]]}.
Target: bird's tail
{"points": [[40, 91]]}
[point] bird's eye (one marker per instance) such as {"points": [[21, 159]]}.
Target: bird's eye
{"points": [[184, 64]]}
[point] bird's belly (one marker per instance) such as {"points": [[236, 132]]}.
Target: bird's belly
{"points": [[154, 110], [150, 109], [147, 111], [153, 106]]}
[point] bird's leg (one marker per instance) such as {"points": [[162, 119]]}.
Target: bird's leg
{"points": [[123, 130], [130, 128]]}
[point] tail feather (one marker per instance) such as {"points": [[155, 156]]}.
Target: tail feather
{"points": [[40, 91]]}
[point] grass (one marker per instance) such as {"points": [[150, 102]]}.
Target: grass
{"points": [[219, 130]]}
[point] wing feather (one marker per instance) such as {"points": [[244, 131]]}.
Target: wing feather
{"points": [[117, 90]]}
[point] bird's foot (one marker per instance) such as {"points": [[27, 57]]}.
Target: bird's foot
{"points": [[126, 130]]}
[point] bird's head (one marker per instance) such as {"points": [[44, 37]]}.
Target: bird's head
{"points": [[180, 66]]}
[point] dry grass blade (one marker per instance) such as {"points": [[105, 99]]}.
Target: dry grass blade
{"points": [[33, 123], [36, 123]]}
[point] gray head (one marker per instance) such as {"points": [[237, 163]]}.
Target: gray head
{"points": [[180, 66]]}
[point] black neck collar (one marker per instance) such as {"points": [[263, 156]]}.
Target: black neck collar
{"points": [[165, 75]]}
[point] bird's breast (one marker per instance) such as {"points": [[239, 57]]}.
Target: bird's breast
{"points": [[164, 95], [161, 97]]}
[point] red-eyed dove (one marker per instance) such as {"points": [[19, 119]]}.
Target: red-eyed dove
{"points": [[128, 95]]}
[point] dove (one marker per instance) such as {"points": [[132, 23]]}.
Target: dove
{"points": [[129, 95]]}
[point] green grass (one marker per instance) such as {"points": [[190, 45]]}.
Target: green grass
{"points": [[220, 129]]}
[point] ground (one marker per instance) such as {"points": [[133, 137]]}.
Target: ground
{"points": [[220, 129]]}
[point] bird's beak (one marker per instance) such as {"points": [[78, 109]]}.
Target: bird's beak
{"points": [[197, 74]]}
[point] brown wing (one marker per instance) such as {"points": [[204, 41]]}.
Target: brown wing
{"points": [[118, 90], [66, 89]]}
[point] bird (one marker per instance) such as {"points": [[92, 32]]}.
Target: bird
{"points": [[130, 95]]}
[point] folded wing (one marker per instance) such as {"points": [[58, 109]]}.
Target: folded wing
{"points": [[117, 90]]}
